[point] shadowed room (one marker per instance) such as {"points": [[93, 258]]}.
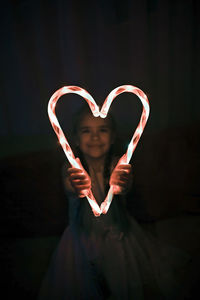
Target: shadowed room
{"points": [[98, 46]]}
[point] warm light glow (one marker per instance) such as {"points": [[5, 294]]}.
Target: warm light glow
{"points": [[125, 159]]}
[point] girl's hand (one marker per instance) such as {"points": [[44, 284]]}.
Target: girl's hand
{"points": [[121, 178], [80, 181]]}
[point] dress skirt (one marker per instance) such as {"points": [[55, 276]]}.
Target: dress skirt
{"points": [[112, 262]]}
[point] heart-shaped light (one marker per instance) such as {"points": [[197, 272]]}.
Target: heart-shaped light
{"points": [[125, 159]]}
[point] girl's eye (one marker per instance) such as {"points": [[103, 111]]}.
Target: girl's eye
{"points": [[104, 129], [85, 131]]}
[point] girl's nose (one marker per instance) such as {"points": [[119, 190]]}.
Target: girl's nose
{"points": [[95, 135]]}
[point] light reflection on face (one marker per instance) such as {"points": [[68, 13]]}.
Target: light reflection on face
{"points": [[94, 136]]}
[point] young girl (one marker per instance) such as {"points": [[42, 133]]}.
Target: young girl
{"points": [[106, 257]]}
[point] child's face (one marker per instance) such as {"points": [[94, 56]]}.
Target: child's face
{"points": [[94, 136]]}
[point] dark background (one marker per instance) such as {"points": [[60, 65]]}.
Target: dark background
{"points": [[97, 45]]}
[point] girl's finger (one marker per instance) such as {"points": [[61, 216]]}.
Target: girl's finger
{"points": [[121, 175], [74, 170], [119, 182], [82, 187], [80, 182], [117, 190], [78, 176], [79, 162], [124, 168]]}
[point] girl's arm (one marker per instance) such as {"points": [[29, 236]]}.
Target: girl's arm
{"points": [[73, 200]]}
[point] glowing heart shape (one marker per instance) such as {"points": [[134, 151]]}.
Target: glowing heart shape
{"points": [[98, 113]]}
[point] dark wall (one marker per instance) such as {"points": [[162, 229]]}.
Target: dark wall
{"points": [[98, 45]]}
